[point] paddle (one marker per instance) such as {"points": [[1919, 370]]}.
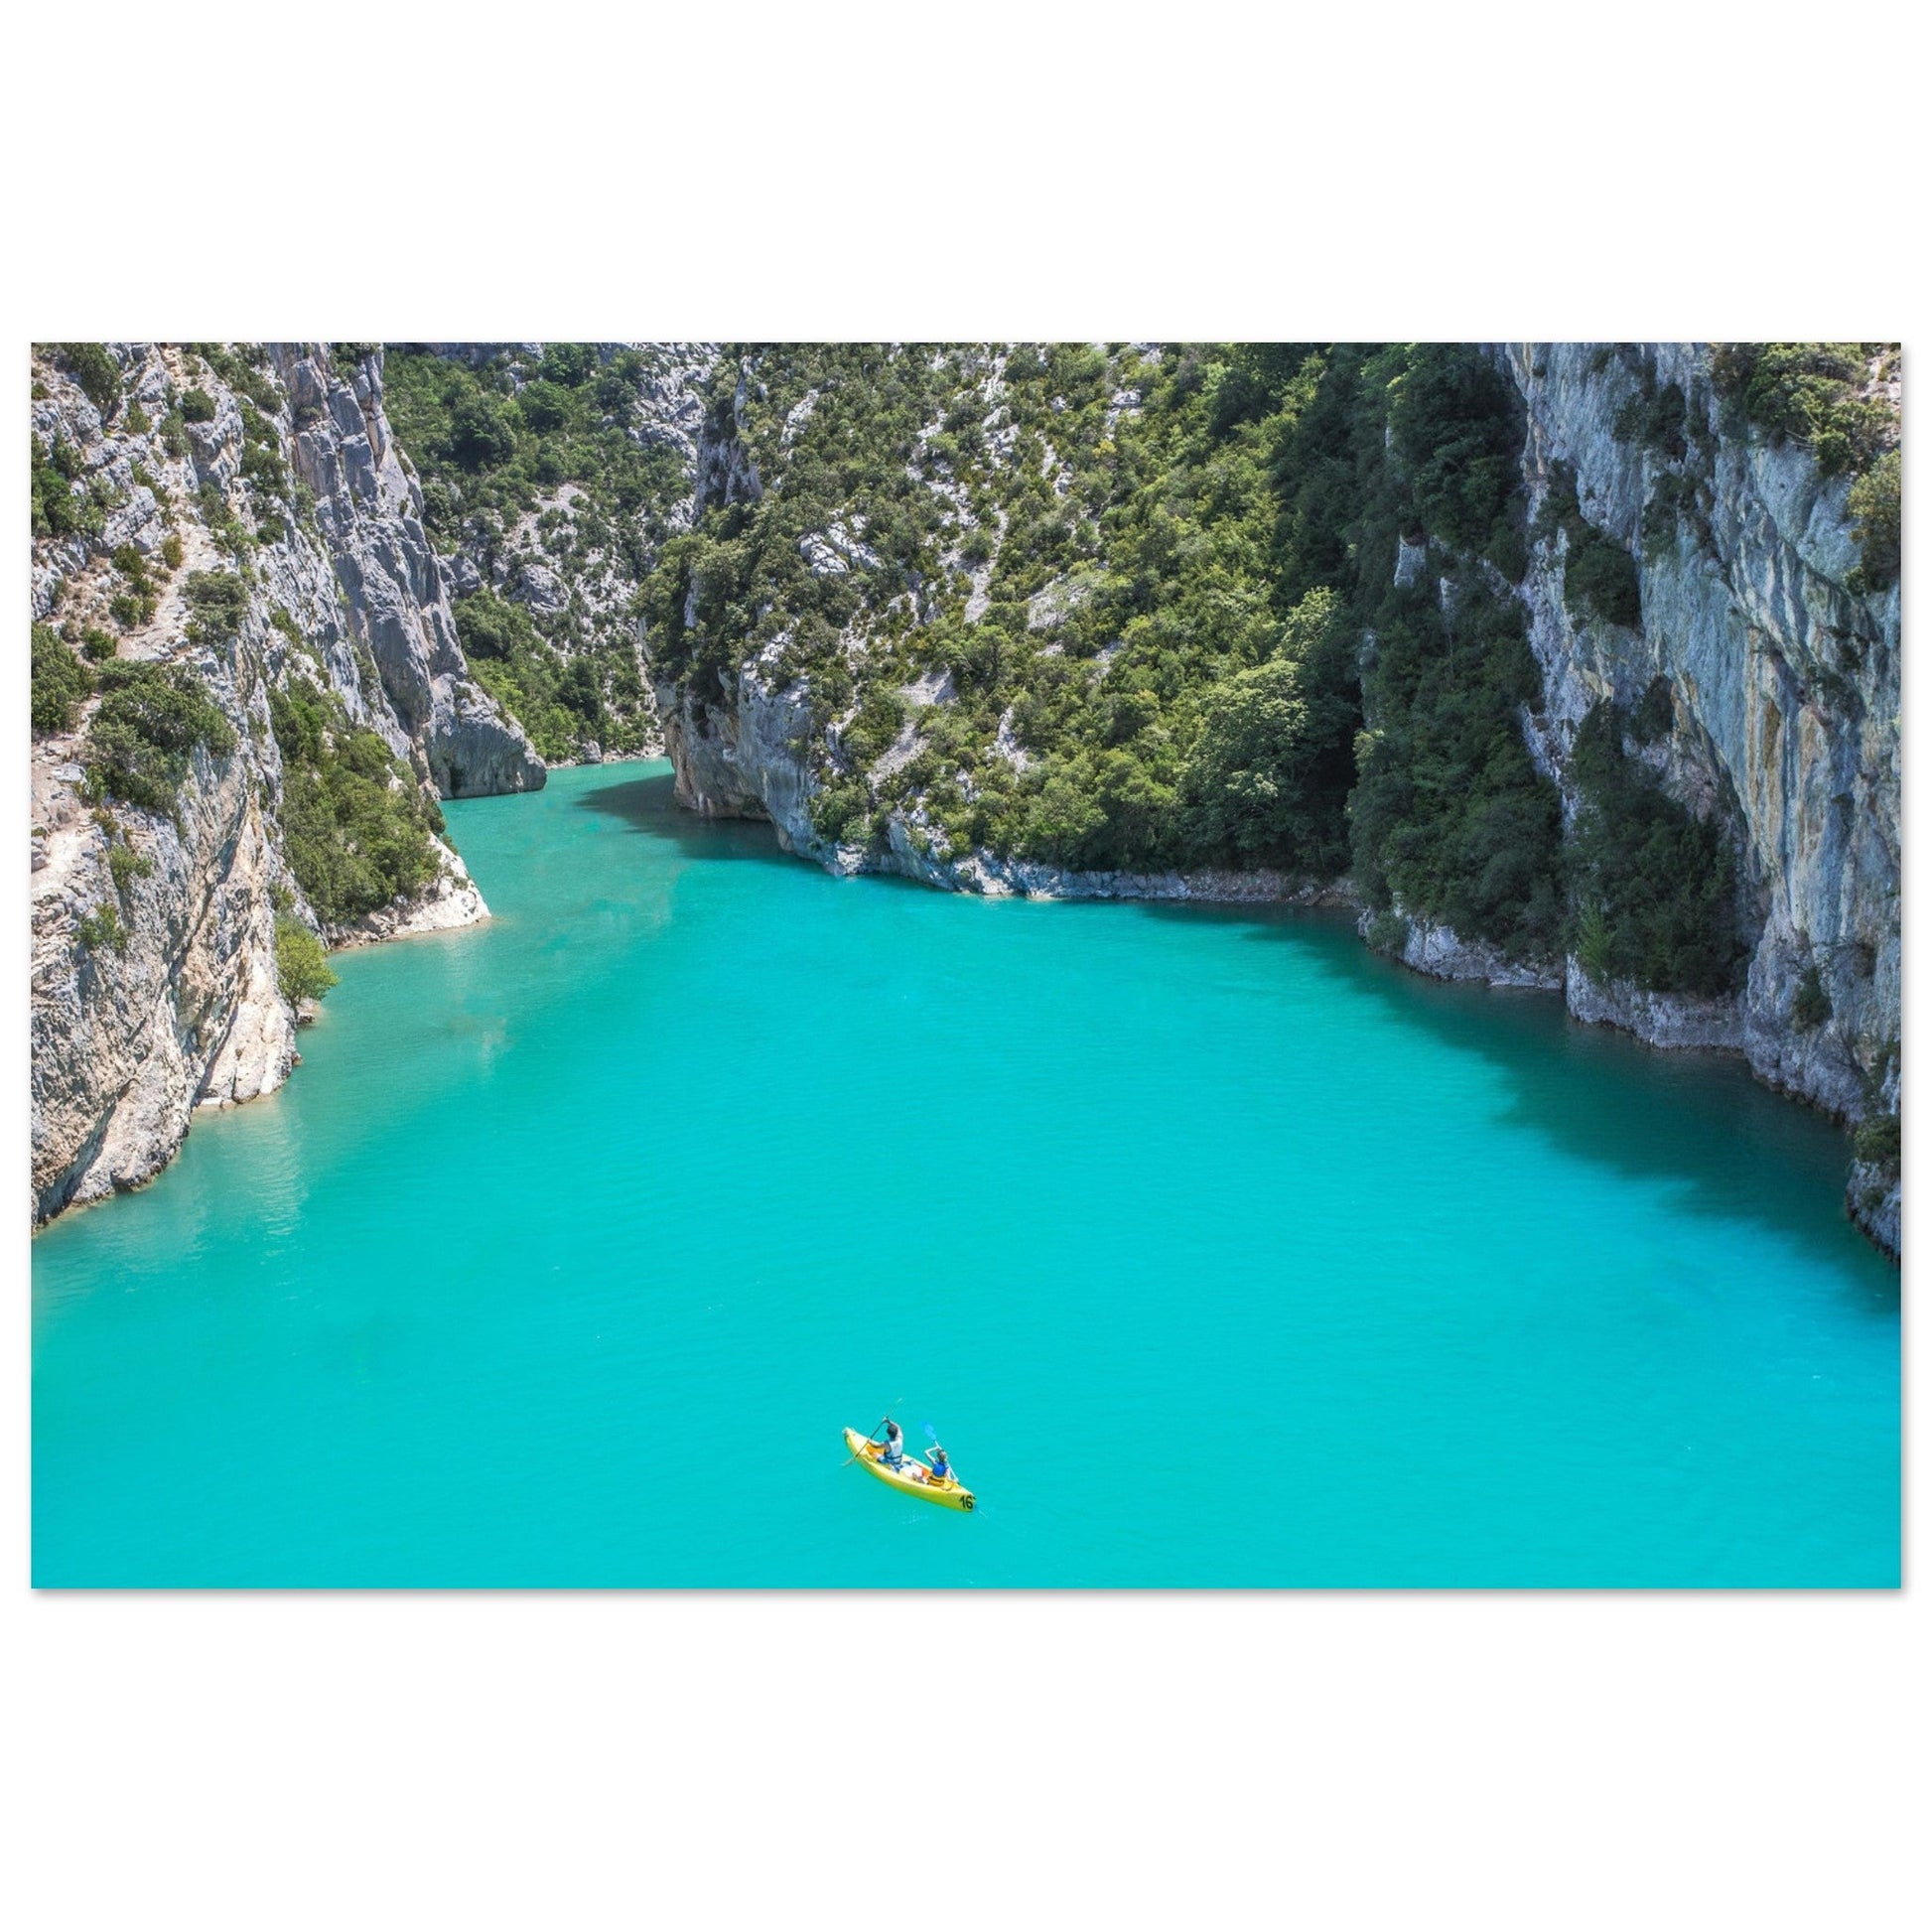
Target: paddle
{"points": [[876, 1428]]}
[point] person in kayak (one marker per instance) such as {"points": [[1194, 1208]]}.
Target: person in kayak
{"points": [[941, 1468], [894, 1453]]}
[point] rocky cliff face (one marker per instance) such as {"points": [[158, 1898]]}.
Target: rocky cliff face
{"points": [[1783, 676], [569, 549], [1780, 667], [155, 985]]}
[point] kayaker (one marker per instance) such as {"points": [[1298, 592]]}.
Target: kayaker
{"points": [[941, 1468], [894, 1453]]}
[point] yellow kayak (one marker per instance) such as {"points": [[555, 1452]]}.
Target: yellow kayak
{"points": [[950, 1495]]}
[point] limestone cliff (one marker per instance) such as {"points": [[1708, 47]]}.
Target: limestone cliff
{"points": [[1783, 679], [1773, 653], [270, 474]]}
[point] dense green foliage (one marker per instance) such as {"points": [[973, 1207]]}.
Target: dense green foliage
{"points": [[1811, 392], [217, 601], [498, 445], [1654, 886], [95, 369], [1170, 627], [300, 968], [1875, 502], [1811, 1004], [60, 682], [149, 720], [60, 509], [558, 700], [356, 823]]}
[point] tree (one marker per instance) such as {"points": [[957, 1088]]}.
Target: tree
{"points": [[301, 970]]}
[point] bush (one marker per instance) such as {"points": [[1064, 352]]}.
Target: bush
{"points": [[1808, 392], [57, 510], [219, 601], [356, 824], [1874, 504], [1602, 575], [95, 369], [198, 406], [101, 928], [300, 968], [60, 683], [1811, 1006], [125, 866], [1879, 1140], [1654, 885], [149, 720], [171, 550]]}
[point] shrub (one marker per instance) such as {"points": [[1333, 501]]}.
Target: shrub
{"points": [[1808, 392], [149, 720], [97, 645], [57, 510], [198, 406], [125, 864], [1811, 1006], [1878, 1140], [171, 550], [840, 809], [1655, 712], [60, 682], [1660, 880], [95, 369], [1602, 575], [1874, 504], [356, 823], [301, 969], [219, 601], [101, 928]]}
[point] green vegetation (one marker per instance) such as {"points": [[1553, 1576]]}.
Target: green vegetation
{"points": [[1654, 887], [1811, 1004], [60, 682], [1878, 1140], [95, 369], [134, 606], [59, 511], [149, 720], [1874, 503], [101, 928], [1172, 613], [197, 406], [559, 701], [1812, 393], [356, 824], [217, 601], [125, 866], [300, 968], [490, 453]]}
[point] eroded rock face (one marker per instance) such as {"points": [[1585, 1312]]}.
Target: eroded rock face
{"points": [[1784, 686], [1783, 676], [177, 1004]]}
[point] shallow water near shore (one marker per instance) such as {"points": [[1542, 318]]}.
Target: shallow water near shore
{"points": [[1217, 1251]]}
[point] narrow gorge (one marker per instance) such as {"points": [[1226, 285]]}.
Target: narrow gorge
{"points": [[1566, 667]]}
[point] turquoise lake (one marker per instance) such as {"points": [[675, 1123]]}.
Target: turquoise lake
{"points": [[1216, 1250]]}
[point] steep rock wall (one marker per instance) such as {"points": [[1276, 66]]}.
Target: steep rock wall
{"points": [[342, 587]]}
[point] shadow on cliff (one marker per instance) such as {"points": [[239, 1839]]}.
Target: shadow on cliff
{"points": [[1699, 1120], [649, 805]]}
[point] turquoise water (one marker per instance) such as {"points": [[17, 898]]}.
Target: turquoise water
{"points": [[1217, 1251]]}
